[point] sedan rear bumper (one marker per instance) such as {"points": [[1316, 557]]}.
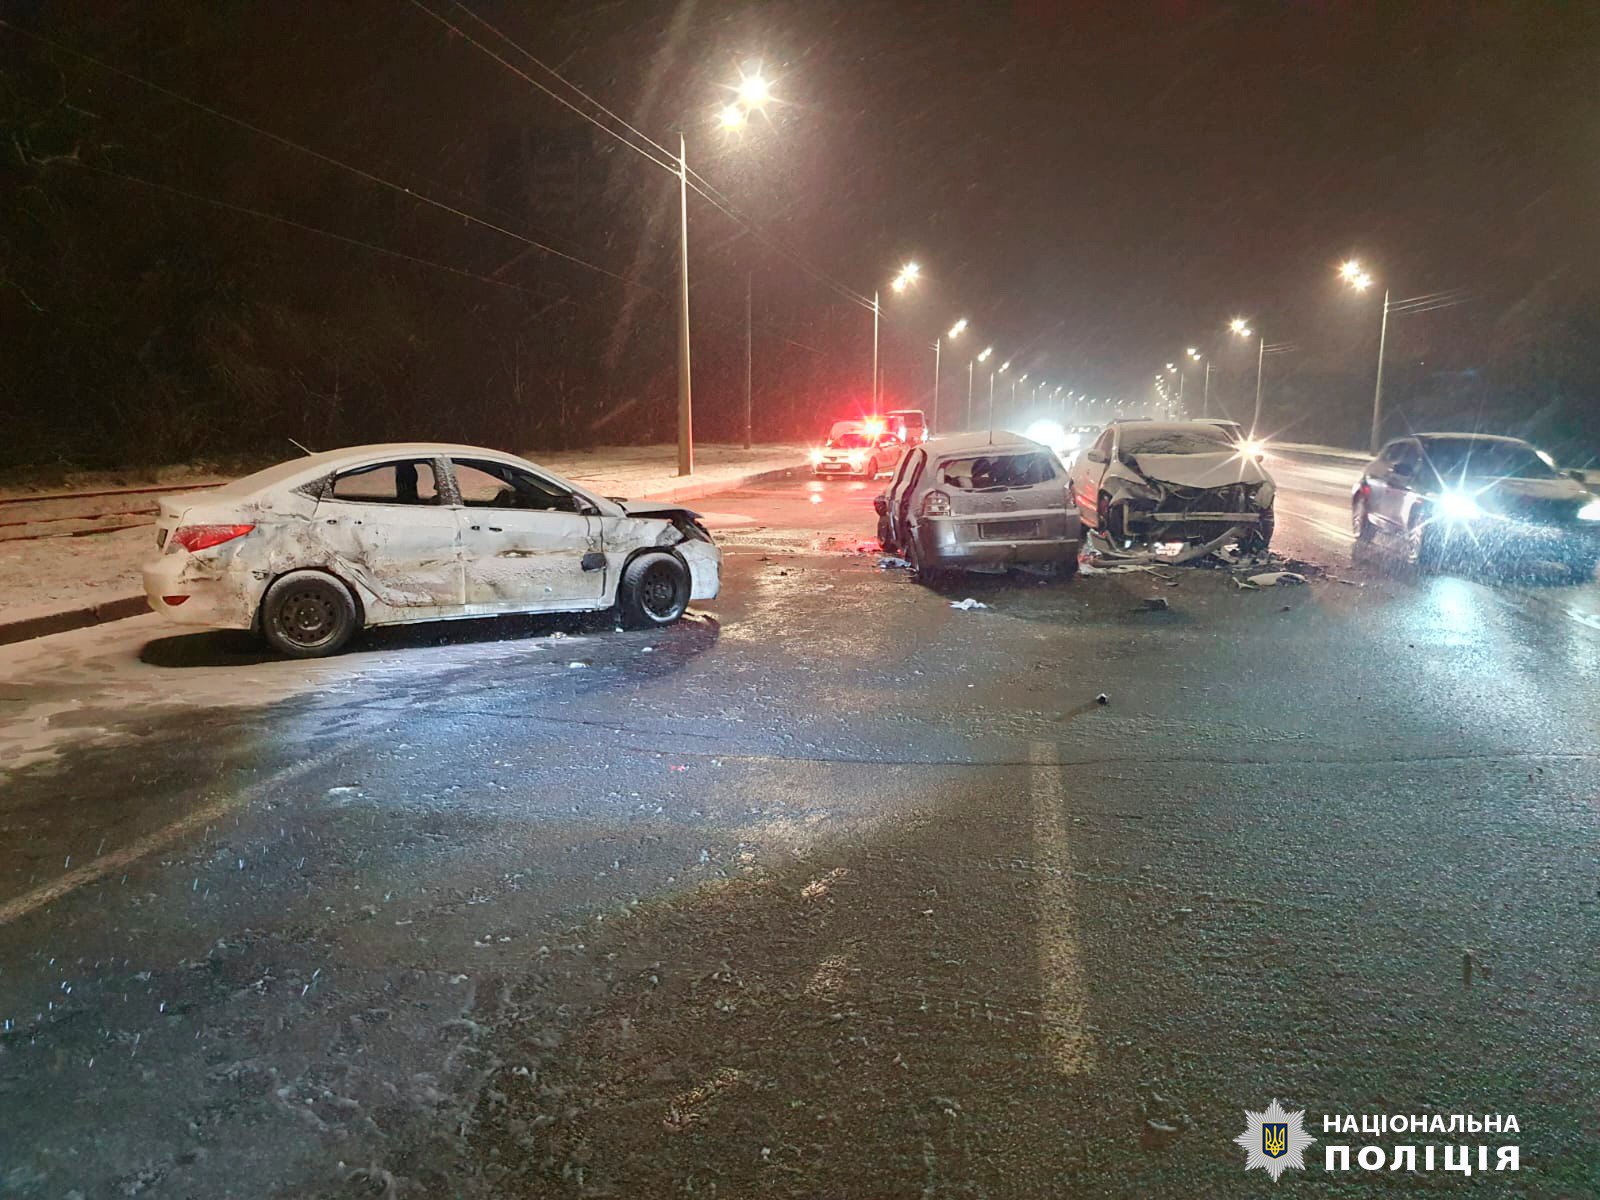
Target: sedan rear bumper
{"points": [[966, 541], [192, 590]]}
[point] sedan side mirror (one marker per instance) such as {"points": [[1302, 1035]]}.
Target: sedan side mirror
{"points": [[1094, 456], [1578, 476], [880, 503]]}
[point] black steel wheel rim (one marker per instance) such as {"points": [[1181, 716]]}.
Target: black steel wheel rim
{"points": [[308, 617], [658, 592]]}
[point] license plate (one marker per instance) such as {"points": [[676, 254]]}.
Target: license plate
{"points": [[991, 531]]}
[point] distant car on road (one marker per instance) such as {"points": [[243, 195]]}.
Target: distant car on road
{"points": [[973, 501], [311, 551], [1460, 497], [1152, 482], [910, 425], [865, 449]]}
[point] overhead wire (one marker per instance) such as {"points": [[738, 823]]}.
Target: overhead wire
{"points": [[289, 143]]}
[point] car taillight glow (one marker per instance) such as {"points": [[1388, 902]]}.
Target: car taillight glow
{"points": [[936, 504], [203, 537], [174, 601]]}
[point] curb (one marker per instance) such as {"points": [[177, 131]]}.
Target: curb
{"points": [[73, 618], [710, 487], [131, 606]]}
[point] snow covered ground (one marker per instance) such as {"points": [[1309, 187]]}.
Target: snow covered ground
{"points": [[61, 550]]}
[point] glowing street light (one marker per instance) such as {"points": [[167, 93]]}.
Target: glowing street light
{"points": [[938, 346], [732, 117], [984, 356], [754, 90], [1360, 280], [906, 277], [958, 328]]}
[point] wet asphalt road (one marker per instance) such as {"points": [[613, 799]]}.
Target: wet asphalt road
{"points": [[829, 891]]}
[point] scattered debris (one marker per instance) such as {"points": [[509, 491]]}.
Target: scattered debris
{"points": [[1156, 603], [576, 666], [1270, 579], [1157, 1134], [890, 562], [968, 604], [1102, 698]]}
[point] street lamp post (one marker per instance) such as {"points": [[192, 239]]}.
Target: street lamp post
{"points": [[933, 418], [906, 277], [1357, 277], [685, 403], [749, 343]]}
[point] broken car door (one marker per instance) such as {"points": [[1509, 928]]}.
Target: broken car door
{"points": [[386, 527], [526, 542]]}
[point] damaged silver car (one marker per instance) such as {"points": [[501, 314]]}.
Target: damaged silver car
{"points": [[311, 551], [1174, 483]]}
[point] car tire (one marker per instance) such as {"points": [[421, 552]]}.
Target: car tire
{"points": [[885, 535], [872, 469], [1361, 520], [1067, 568], [308, 614], [1259, 539], [654, 591], [928, 576], [1422, 548]]}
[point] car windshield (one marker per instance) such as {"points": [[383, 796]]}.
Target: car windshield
{"points": [[1176, 441], [852, 441], [992, 472], [1481, 458]]}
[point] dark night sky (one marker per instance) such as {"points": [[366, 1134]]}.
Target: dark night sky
{"points": [[1094, 185]]}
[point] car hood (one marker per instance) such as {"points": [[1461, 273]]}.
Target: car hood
{"points": [[1200, 470], [1529, 489]]}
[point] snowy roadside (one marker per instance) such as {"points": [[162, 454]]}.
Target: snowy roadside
{"points": [[61, 552]]}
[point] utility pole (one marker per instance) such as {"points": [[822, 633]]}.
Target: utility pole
{"points": [[1205, 400], [1377, 392], [1261, 360], [969, 396], [749, 340], [685, 404], [874, 353], [933, 420]]}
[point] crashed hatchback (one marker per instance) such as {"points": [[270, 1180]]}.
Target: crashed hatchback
{"points": [[311, 551], [1185, 483]]}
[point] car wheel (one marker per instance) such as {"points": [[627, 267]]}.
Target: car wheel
{"points": [[872, 469], [1067, 568], [885, 535], [654, 591], [1422, 549], [1360, 520], [1257, 540], [929, 576], [308, 614]]}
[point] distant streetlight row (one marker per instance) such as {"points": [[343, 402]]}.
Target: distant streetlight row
{"points": [[1359, 279]]}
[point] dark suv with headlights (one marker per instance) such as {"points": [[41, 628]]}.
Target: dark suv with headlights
{"points": [[1470, 498]]}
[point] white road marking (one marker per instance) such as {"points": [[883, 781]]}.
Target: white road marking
{"points": [[116, 860], [1059, 962]]}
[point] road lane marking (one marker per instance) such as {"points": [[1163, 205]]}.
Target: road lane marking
{"points": [[116, 860], [1058, 958]]}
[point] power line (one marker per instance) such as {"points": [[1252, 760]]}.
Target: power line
{"points": [[329, 159], [701, 186], [293, 224]]}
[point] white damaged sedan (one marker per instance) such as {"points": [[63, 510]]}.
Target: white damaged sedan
{"points": [[311, 551]]}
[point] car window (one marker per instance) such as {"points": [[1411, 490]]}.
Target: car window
{"points": [[486, 484], [410, 481], [995, 472], [1480, 458], [851, 441], [1102, 444]]}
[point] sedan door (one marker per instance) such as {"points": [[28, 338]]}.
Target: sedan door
{"points": [[1391, 483], [388, 529], [527, 543]]}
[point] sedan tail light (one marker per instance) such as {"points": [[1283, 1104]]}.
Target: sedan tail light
{"points": [[936, 504], [203, 537]]}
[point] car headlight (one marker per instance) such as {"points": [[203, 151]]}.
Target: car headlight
{"points": [[1458, 506], [857, 457], [1590, 511], [816, 456], [1254, 448]]}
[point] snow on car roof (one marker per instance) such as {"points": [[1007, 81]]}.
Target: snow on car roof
{"points": [[314, 466], [951, 445]]}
